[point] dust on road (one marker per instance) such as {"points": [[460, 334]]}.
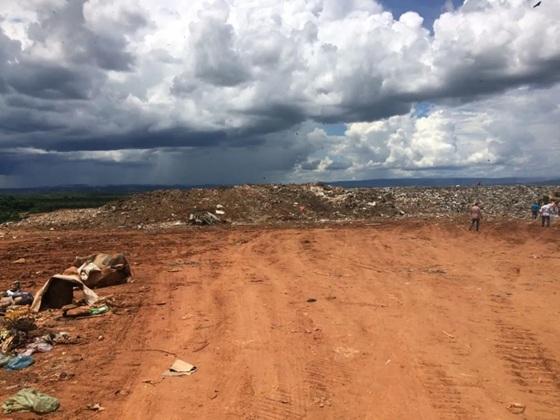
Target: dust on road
{"points": [[378, 322]]}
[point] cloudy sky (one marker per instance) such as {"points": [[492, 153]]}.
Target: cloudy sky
{"points": [[229, 91]]}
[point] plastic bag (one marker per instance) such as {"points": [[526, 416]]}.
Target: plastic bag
{"points": [[19, 362], [29, 399]]}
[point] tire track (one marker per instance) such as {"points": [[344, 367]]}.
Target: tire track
{"points": [[444, 393], [531, 367], [528, 363]]}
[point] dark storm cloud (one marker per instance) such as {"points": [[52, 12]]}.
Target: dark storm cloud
{"points": [[9, 49], [108, 52], [387, 107], [487, 78], [272, 117], [50, 81], [310, 165], [22, 121], [10, 163], [145, 138], [52, 169], [17, 101], [66, 25], [238, 81], [339, 165]]}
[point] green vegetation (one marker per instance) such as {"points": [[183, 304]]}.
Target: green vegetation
{"points": [[14, 206]]}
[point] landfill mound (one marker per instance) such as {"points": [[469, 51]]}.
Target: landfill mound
{"points": [[510, 201], [308, 203]]}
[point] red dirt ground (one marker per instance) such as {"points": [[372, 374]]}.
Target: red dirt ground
{"points": [[411, 320]]}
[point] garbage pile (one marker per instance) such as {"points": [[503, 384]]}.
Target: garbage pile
{"points": [[272, 204], [512, 201], [22, 328]]}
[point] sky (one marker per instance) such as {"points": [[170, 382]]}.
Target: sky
{"points": [[234, 91]]}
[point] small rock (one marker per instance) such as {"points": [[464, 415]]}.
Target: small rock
{"points": [[95, 407], [311, 300], [516, 408]]}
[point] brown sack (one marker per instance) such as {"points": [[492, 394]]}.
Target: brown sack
{"points": [[102, 270]]}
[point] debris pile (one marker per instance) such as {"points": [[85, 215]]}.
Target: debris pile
{"points": [[25, 318], [512, 201], [308, 203]]}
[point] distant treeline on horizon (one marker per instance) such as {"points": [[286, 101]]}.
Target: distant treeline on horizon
{"points": [[368, 183]]}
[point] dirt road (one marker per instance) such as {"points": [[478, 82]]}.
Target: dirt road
{"points": [[368, 322]]}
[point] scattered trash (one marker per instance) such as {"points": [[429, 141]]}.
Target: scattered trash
{"points": [[4, 359], [435, 270], [447, 334], [65, 338], [19, 362], [203, 218], [99, 310], [18, 296], [29, 399], [16, 325], [40, 344], [516, 408], [58, 291], [73, 311], [95, 407], [180, 368], [20, 261]]}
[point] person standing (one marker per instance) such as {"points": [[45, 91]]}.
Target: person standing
{"points": [[476, 216], [535, 207], [547, 211]]}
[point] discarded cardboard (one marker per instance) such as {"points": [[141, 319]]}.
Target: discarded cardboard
{"points": [[58, 291], [180, 368]]}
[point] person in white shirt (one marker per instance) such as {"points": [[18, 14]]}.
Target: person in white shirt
{"points": [[546, 211]]}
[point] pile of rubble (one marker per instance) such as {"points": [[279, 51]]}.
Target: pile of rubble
{"points": [[244, 204], [512, 201], [271, 204]]}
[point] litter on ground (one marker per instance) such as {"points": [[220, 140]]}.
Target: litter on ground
{"points": [[29, 399], [180, 368]]}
